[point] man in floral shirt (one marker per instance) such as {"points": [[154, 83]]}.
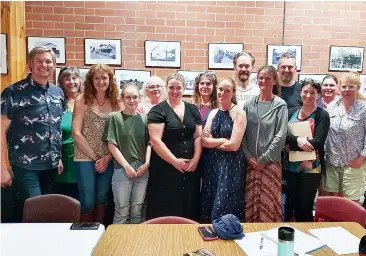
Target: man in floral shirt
{"points": [[31, 111]]}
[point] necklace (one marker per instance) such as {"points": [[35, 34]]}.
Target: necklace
{"points": [[101, 105]]}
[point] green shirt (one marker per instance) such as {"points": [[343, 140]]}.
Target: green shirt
{"points": [[67, 152], [129, 134]]}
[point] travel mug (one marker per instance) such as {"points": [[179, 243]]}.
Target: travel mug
{"points": [[285, 245]]}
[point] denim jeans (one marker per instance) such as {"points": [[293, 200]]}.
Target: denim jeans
{"points": [[93, 186], [34, 183], [129, 195]]}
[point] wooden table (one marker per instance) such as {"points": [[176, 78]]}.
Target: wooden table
{"points": [[177, 239]]}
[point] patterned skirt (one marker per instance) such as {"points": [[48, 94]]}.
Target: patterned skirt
{"points": [[263, 194]]}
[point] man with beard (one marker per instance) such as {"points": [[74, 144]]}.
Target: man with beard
{"points": [[290, 88], [243, 65]]}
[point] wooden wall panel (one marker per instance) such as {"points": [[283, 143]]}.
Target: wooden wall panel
{"points": [[13, 24]]}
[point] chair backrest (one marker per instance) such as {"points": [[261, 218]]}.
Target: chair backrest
{"points": [[51, 208], [332, 208], [170, 220]]}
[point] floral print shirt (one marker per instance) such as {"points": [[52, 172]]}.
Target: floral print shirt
{"points": [[347, 133], [34, 136]]}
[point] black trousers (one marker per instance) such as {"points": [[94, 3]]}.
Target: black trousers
{"points": [[300, 195]]}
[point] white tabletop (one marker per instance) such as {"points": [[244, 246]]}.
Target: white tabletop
{"points": [[47, 239]]}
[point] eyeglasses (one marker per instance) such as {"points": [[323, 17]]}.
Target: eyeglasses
{"points": [[349, 87], [131, 97], [153, 86]]}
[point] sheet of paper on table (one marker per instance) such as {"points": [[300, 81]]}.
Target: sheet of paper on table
{"points": [[250, 244], [338, 239], [304, 243]]}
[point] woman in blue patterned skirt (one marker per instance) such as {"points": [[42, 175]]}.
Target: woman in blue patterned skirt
{"points": [[224, 172]]}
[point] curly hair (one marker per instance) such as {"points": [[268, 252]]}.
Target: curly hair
{"points": [[213, 97], [233, 99], [90, 91], [276, 88]]}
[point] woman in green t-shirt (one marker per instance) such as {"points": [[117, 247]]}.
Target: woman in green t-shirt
{"points": [[65, 183], [128, 142]]}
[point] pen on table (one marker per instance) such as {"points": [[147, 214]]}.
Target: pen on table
{"points": [[261, 245]]}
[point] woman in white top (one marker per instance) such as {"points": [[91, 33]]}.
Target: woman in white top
{"points": [[154, 92]]}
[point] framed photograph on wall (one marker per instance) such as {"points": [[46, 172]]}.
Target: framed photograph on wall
{"points": [[253, 78], [220, 55], [316, 77], [137, 77], [363, 84], [82, 71], [3, 54], [102, 51], [346, 58], [189, 76], [162, 54], [274, 52], [57, 44]]}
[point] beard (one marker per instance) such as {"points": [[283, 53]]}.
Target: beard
{"points": [[286, 79], [243, 77]]}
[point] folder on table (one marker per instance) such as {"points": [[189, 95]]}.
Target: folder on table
{"points": [[303, 130]]}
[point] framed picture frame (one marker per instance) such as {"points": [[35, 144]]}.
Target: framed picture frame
{"points": [[165, 54], [346, 58], [82, 71], [316, 77], [3, 54], [363, 84], [137, 77], [275, 51], [102, 51], [220, 55], [253, 78], [189, 77], [57, 44]]}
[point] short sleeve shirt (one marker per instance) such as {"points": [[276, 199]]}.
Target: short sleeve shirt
{"points": [[129, 133], [34, 136]]}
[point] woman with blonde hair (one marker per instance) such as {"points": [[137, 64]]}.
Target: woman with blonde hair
{"points": [[128, 142], [224, 171], [93, 166], [153, 93], [175, 128], [346, 142], [264, 139]]}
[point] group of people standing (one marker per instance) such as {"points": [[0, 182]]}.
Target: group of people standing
{"points": [[227, 152]]}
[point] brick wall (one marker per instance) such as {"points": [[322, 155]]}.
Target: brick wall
{"points": [[315, 25]]}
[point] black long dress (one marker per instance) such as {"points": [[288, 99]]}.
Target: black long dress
{"points": [[169, 191]]}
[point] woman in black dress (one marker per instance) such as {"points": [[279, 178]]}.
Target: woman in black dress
{"points": [[175, 129]]}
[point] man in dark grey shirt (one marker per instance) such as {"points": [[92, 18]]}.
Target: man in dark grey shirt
{"points": [[290, 88]]}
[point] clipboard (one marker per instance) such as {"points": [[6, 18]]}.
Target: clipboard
{"points": [[301, 129]]}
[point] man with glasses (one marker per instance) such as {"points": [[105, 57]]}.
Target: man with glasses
{"points": [[243, 66], [290, 88]]}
